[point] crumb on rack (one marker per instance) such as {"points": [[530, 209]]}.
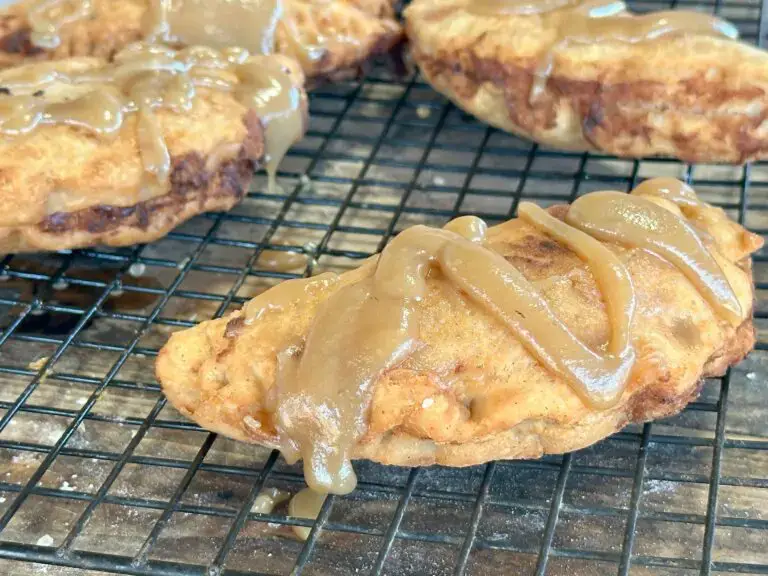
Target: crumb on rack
{"points": [[45, 540], [38, 364], [137, 269], [423, 112]]}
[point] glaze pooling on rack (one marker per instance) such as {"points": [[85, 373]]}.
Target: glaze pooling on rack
{"points": [[317, 407], [305, 504], [145, 78], [282, 261], [599, 21]]}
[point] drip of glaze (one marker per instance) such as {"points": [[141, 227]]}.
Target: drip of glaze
{"points": [[268, 499], [266, 88], [470, 227], [320, 398], [636, 221], [598, 379], [305, 504], [670, 189]]}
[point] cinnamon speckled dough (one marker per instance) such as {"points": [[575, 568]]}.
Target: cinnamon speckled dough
{"points": [[356, 30], [63, 187], [472, 393], [697, 98]]}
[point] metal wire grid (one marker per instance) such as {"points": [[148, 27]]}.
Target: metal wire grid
{"points": [[116, 481]]}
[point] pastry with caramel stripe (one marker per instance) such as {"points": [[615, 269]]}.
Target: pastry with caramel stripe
{"points": [[592, 75], [461, 345], [331, 39], [120, 153]]}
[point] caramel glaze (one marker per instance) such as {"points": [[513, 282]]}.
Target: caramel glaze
{"points": [[216, 23], [305, 504], [268, 499], [147, 77], [248, 24], [279, 261], [318, 404], [599, 21], [46, 17], [638, 222]]}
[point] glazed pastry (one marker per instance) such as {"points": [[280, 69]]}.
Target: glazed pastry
{"points": [[590, 75], [119, 153], [461, 345], [330, 38]]}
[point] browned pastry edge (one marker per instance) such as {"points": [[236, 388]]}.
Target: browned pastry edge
{"points": [[531, 438], [389, 45], [614, 117], [194, 189], [390, 49], [18, 42]]}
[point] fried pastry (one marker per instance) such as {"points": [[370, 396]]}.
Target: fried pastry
{"points": [[119, 153], [461, 345], [590, 75], [330, 38]]}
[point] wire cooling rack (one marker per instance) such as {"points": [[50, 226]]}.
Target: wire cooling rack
{"points": [[99, 475]]}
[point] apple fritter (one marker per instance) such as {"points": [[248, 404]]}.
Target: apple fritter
{"points": [[461, 345], [591, 75]]}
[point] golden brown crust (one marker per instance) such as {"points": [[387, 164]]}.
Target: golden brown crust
{"points": [[489, 399], [194, 189], [115, 23], [361, 30], [700, 99], [63, 187]]}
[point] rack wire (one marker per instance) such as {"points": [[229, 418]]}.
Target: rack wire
{"points": [[99, 475]]}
